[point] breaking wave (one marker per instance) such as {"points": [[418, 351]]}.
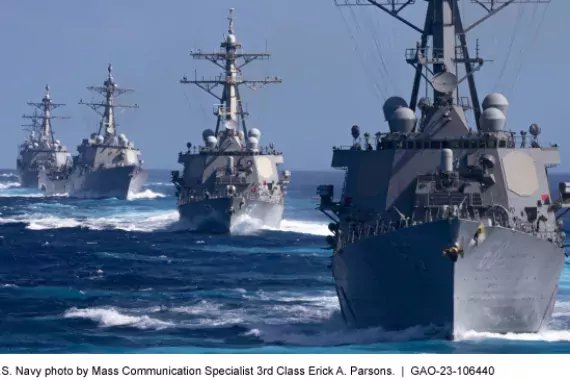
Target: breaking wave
{"points": [[140, 221], [110, 317], [146, 194], [9, 185]]}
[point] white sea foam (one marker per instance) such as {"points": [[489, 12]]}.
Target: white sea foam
{"points": [[305, 227], [110, 317], [557, 331], [146, 194], [245, 225], [143, 221], [130, 221], [9, 185]]}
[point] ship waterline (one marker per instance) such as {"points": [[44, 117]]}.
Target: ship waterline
{"points": [[501, 281], [221, 215], [116, 182]]}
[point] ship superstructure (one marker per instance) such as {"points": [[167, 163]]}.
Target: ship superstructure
{"points": [[41, 149], [107, 165], [441, 223], [231, 177]]}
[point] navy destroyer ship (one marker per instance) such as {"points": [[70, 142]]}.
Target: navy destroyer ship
{"points": [[441, 222], [230, 178], [107, 164], [41, 149]]}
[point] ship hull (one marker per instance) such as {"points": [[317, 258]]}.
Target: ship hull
{"points": [[28, 178], [213, 215], [117, 182], [507, 282]]}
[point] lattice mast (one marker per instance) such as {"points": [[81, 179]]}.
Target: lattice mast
{"points": [[110, 90], [449, 45], [231, 106], [46, 106], [34, 128]]}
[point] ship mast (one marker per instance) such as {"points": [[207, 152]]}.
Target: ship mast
{"points": [[231, 106], [110, 91], [34, 127], [444, 24], [46, 129]]}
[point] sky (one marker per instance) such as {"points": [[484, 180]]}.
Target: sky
{"points": [[338, 66]]}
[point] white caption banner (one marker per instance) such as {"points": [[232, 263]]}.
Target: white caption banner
{"points": [[241, 366]]}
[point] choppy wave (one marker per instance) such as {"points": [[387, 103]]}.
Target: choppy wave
{"points": [[139, 221], [145, 194], [110, 317], [9, 185], [558, 329]]}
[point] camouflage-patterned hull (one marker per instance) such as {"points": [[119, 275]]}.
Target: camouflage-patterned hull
{"points": [[215, 215], [506, 283], [116, 182], [28, 178]]}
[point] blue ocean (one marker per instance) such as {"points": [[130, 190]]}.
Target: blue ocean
{"points": [[112, 276]]}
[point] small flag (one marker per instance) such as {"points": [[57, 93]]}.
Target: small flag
{"points": [[545, 199]]}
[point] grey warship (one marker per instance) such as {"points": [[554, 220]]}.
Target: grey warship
{"points": [[228, 180], [439, 224], [41, 149], [107, 164]]}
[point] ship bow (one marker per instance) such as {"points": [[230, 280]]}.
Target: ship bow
{"points": [[451, 274]]}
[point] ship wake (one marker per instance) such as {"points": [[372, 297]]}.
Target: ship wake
{"points": [[138, 221]]}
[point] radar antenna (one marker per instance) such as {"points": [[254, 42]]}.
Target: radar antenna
{"points": [[110, 91], [231, 106], [444, 24], [45, 129]]}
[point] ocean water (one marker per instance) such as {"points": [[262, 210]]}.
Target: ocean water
{"points": [[111, 276]]}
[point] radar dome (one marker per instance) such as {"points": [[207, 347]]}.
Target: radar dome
{"points": [[231, 124], [240, 135], [254, 132], [534, 129], [497, 101], [231, 38], [403, 120], [211, 141], [391, 105], [57, 142], [492, 120], [122, 137], [252, 143], [99, 139], [207, 133]]}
